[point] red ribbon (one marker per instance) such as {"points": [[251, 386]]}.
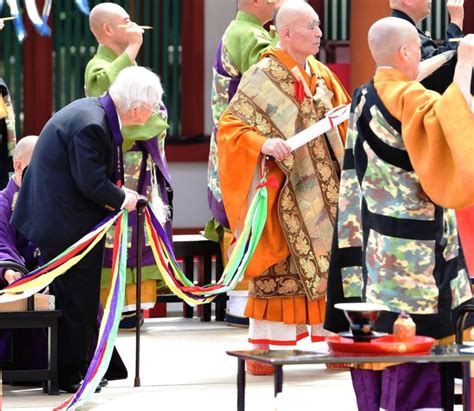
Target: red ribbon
{"points": [[271, 182], [299, 91]]}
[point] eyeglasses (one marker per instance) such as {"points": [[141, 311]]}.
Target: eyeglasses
{"points": [[153, 110]]}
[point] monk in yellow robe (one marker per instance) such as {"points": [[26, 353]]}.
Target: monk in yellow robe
{"points": [[409, 162], [283, 94]]}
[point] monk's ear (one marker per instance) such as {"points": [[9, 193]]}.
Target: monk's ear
{"points": [[403, 53], [285, 33], [107, 29], [17, 166]]}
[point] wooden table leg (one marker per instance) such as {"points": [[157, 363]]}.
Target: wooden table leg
{"points": [[240, 384]]}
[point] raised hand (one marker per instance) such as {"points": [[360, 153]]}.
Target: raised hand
{"points": [[456, 12], [466, 50], [135, 40]]}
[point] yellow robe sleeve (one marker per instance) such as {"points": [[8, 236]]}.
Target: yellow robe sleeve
{"points": [[438, 132]]}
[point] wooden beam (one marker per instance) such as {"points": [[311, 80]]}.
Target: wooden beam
{"points": [[192, 68], [37, 79], [363, 14]]}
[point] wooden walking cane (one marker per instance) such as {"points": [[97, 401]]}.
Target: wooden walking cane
{"points": [[141, 204]]}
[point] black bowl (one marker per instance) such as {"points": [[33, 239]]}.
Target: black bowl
{"points": [[361, 316]]}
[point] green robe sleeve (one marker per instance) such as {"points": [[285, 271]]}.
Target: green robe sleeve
{"points": [[155, 126], [245, 47], [100, 73]]}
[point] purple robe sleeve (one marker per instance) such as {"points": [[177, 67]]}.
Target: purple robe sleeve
{"points": [[8, 235]]}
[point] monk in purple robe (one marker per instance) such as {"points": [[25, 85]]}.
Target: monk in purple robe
{"points": [[16, 350]]}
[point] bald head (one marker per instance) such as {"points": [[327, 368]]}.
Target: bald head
{"points": [[298, 28], [387, 36], [291, 12], [105, 13], [394, 42], [24, 149], [22, 156]]}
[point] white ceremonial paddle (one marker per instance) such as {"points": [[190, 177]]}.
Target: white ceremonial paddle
{"points": [[333, 118]]}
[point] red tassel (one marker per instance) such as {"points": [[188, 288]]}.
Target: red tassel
{"points": [[299, 91], [271, 182]]}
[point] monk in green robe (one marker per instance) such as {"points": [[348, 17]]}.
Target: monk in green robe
{"points": [[241, 46], [145, 166]]}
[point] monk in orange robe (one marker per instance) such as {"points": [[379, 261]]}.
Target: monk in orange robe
{"points": [[285, 93]]}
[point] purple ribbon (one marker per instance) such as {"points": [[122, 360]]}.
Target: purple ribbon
{"points": [[117, 139]]}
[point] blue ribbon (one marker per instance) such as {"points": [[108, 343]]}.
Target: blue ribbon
{"points": [[40, 23], [18, 21], [83, 5]]}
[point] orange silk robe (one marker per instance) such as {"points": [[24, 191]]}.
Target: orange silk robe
{"points": [[239, 150], [438, 135]]}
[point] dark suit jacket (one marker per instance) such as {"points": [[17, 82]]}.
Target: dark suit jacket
{"points": [[6, 163], [441, 79], [68, 187]]}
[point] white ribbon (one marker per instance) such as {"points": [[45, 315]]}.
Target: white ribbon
{"points": [[83, 6], [39, 22]]}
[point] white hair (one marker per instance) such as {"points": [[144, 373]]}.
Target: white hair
{"points": [[134, 87]]}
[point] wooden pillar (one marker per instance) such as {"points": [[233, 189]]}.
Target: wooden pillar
{"points": [[363, 14], [192, 68], [318, 6], [37, 78], [468, 17]]}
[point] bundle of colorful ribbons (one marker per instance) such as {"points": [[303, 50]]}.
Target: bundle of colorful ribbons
{"points": [[244, 247], [37, 280]]}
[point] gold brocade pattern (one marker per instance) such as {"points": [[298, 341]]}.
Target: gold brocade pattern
{"points": [[308, 200], [280, 280]]}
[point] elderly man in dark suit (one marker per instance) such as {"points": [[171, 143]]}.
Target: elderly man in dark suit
{"points": [[73, 181]]}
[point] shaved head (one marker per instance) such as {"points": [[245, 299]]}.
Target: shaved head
{"points": [[298, 28], [291, 12], [387, 36], [103, 13], [24, 149], [394, 42]]}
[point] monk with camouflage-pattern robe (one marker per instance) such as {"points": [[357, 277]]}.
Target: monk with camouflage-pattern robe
{"points": [[288, 271], [396, 241]]}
